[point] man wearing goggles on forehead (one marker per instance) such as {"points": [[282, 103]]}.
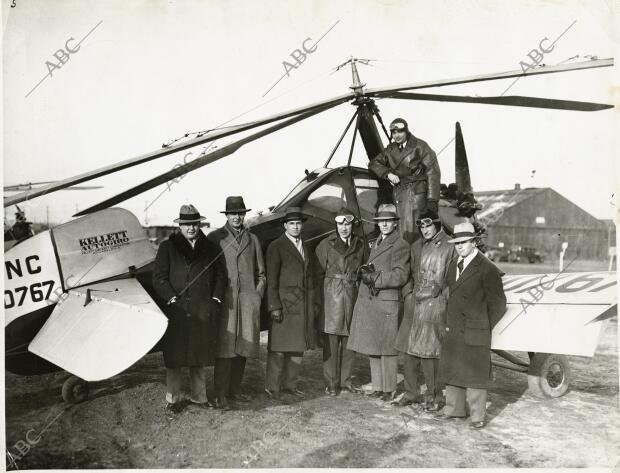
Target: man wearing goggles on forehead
{"points": [[340, 256], [424, 321], [410, 166]]}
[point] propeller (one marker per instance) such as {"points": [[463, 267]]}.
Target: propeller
{"points": [[510, 100], [208, 158]]}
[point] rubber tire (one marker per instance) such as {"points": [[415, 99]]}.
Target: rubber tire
{"points": [[75, 390], [548, 375]]}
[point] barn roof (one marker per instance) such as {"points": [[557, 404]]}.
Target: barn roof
{"points": [[496, 201]]}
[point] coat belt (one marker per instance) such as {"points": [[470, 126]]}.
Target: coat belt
{"points": [[346, 277]]}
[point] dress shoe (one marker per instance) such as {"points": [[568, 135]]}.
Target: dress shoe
{"points": [[294, 392], [275, 395], [376, 394], [222, 403], [331, 391], [240, 397], [202, 405], [432, 407], [477, 425], [352, 388], [388, 396], [174, 408], [402, 402]]}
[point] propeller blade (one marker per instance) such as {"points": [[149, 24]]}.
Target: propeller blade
{"points": [[592, 64], [211, 136], [510, 100], [461, 166], [181, 170]]}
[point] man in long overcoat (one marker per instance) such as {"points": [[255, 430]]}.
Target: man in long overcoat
{"points": [[378, 306], [475, 305], [290, 302], [189, 279], [424, 321], [410, 166], [239, 323], [340, 256]]}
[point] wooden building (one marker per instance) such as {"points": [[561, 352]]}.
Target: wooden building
{"points": [[543, 219]]}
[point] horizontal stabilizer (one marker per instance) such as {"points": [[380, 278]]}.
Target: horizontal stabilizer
{"points": [[561, 313], [100, 330]]}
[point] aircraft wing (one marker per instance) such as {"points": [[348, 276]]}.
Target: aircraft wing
{"points": [[100, 330], [561, 313]]}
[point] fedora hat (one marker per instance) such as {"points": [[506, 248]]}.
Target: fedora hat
{"points": [[189, 214], [235, 204], [463, 232], [386, 212], [293, 213]]}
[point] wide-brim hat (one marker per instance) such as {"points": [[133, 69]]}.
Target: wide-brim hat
{"points": [[293, 213], [463, 232], [189, 214], [386, 212], [235, 204]]}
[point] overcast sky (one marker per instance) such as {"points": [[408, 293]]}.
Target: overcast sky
{"points": [[150, 71]]}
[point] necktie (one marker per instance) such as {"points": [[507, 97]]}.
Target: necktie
{"points": [[460, 266], [300, 246]]}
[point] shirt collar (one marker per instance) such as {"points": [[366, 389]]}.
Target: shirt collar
{"points": [[293, 239], [468, 259]]}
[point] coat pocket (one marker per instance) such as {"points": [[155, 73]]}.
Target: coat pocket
{"points": [[477, 332]]}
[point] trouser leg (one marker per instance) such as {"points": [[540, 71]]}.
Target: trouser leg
{"points": [[330, 360], [275, 362], [455, 401], [376, 373], [236, 374], [389, 366], [477, 401], [292, 367], [348, 360], [174, 377], [410, 370], [198, 383], [221, 376], [430, 367]]}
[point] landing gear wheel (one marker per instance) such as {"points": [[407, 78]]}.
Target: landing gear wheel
{"points": [[548, 375], [75, 390]]}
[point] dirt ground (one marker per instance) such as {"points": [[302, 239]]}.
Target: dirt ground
{"points": [[123, 424]]}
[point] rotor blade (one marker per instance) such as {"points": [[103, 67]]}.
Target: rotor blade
{"points": [[510, 100], [461, 166], [25, 187], [592, 64], [180, 171], [172, 149]]}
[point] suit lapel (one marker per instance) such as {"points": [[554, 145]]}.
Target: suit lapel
{"points": [[288, 244], [384, 246], [471, 269], [245, 240]]}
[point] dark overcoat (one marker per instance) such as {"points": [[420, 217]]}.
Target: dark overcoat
{"points": [[192, 320], [337, 274], [425, 298], [475, 304], [290, 288], [239, 323], [375, 318]]}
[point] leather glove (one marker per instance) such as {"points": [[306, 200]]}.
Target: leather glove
{"points": [[276, 315], [432, 205], [436, 290], [369, 278]]}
